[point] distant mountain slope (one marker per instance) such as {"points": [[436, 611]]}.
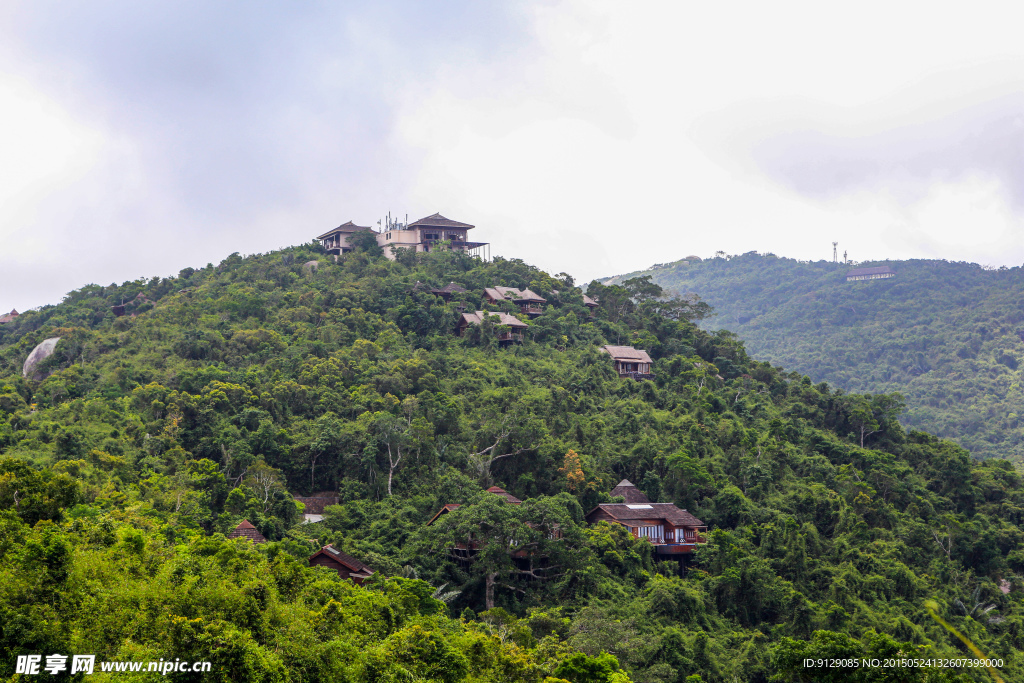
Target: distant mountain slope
{"points": [[946, 335]]}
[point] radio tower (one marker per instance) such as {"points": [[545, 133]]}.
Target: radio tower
{"points": [[835, 252]]}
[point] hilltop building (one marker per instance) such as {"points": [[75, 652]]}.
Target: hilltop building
{"points": [[672, 531], [8, 317], [421, 235], [336, 241], [630, 363], [876, 273], [347, 566], [247, 531]]}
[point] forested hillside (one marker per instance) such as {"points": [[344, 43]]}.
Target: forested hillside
{"points": [[226, 390], [948, 336]]}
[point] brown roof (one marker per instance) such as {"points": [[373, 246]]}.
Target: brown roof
{"points": [[627, 353], [450, 288], [513, 294], [630, 493], [624, 512], [503, 319], [347, 227], [498, 491], [8, 317], [316, 503], [438, 221], [590, 303], [247, 530], [354, 565], [876, 270], [448, 507]]}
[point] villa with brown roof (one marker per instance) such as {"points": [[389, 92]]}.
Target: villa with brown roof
{"points": [[672, 531], [347, 566], [247, 531], [426, 233], [515, 326], [8, 317], [629, 362], [336, 241], [528, 301], [315, 504], [496, 490]]}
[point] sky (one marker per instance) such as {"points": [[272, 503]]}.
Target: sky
{"points": [[583, 136]]}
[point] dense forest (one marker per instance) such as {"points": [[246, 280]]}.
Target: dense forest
{"points": [[219, 394], [948, 336]]}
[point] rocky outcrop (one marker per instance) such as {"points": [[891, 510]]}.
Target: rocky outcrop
{"points": [[311, 266], [42, 351]]}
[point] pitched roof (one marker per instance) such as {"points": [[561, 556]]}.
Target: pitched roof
{"points": [[629, 493], [451, 288], [627, 353], [247, 530], [590, 303], [636, 511], [513, 294], [876, 270], [347, 227], [354, 565], [446, 508], [477, 317], [8, 317], [438, 221], [498, 491]]}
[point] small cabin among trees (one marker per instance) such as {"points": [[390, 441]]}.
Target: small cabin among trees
{"points": [[875, 273], [629, 362], [347, 566], [8, 317], [315, 505], [515, 326], [247, 531], [529, 302], [672, 531], [496, 490]]}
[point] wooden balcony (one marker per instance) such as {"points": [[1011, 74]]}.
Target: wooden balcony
{"points": [[531, 310], [630, 374], [509, 337]]}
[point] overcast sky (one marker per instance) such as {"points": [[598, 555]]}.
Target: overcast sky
{"points": [[589, 137]]}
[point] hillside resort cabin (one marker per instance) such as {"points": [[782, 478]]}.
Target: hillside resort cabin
{"points": [[446, 292], [515, 326], [336, 241], [424, 235], [315, 504], [347, 566], [876, 273], [591, 304], [496, 490], [670, 530], [630, 363], [530, 303], [247, 531], [8, 317]]}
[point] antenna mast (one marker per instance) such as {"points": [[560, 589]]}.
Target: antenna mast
{"points": [[835, 252]]}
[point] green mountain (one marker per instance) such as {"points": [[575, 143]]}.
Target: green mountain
{"points": [[159, 424], [948, 336]]}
